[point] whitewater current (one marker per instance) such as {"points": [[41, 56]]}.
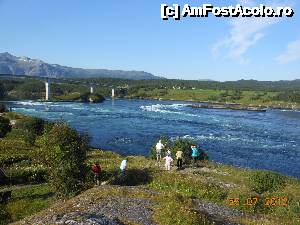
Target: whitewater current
{"points": [[264, 140]]}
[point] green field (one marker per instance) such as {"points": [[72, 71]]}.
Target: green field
{"points": [[255, 98]]}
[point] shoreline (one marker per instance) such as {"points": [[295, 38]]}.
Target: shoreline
{"points": [[242, 106], [287, 107]]}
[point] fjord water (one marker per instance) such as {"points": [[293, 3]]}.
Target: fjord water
{"points": [[263, 140]]}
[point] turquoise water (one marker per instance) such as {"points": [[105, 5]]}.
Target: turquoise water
{"points": [[264, 140]]}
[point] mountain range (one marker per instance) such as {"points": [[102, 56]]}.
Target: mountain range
{"points": [[13, 65]]}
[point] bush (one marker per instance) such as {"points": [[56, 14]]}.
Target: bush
{"points": [[5, 126], [8, 160], [3, 108], [33, 174], [33, 126], [165, 141], [64, 151], [3, 178], [30, 137], [184, 145], [95, 98], [181, 144], [266, 181], [5, 217]]}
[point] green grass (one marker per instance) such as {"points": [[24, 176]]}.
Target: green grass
{"points": [[190, 186], [176, 209], [177, 189], [206, 186], [27, 200], [254, 98], [68, 97]]}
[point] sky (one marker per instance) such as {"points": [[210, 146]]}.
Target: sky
{"points": [[130, 35]]}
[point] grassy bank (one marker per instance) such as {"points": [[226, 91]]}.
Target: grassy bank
{"points": [[177, 192], [246, 98], [216, 183]]}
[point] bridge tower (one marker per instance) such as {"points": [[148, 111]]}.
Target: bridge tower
{"points": [[113, 93], [47, 86]]}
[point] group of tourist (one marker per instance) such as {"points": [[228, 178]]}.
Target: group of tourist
{"points": [[160, 148], [179, 155]]}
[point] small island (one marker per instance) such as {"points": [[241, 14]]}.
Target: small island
{"points": [[78, 97]]}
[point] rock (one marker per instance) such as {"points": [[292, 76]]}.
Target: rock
{"points": [[82, 218], [218, 213]]}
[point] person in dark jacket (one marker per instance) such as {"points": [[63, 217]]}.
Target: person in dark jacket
{"points": [[96, 170]]}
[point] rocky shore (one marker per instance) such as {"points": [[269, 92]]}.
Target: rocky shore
{"points": [[228, 106]]}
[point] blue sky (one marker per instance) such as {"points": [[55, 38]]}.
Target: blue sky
{"points": [[130, 35]]}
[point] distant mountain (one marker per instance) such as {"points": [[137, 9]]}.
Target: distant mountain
{"points": [[10, 64]]}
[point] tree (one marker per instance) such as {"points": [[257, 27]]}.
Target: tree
{"points": [[64, 152], [5, 126]]}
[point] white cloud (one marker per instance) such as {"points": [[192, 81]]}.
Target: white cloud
{"points": [[292, 53], [244, 33]]}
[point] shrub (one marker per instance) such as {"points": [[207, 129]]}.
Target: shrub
{"points": [[184, 145], [3, 177], [33, 126], [30, 137], [203, 155], [48, 127], [5, 217], [15, 134], [33, 174], [64, 151], [3, 108], [266, 181], [165, 141], [95, 98], [5, 126], [7, 160], [181, 144]]}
